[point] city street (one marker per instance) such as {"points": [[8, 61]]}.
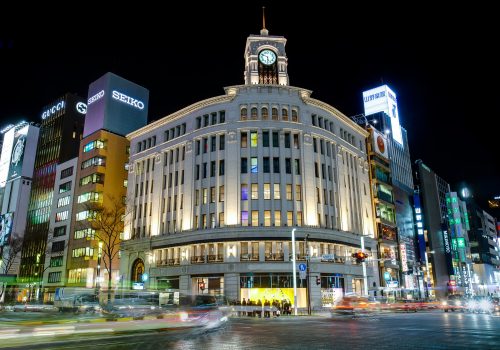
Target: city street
{"points": [[432, 330]]}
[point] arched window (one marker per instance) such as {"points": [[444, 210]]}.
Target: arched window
{"points": [[254, 113], [137, 270], [295, 116], [275, 113], [243, 113], [265, 113], [284, 114]]}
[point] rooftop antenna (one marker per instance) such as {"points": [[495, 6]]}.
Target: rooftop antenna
{"points": [[264, 31]]}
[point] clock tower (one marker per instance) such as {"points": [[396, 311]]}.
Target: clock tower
{"points": [[265, 59]]}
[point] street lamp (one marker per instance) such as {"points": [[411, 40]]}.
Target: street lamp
{"points": [[294, 269]]}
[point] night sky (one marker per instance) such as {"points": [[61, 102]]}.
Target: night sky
{"points": [[439, 62]]}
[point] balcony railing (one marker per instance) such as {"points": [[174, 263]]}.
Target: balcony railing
{"points": [[216, 258], [249, 257], [275, 256]]}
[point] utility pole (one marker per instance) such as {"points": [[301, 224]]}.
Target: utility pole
{"points": [[308, 289]]}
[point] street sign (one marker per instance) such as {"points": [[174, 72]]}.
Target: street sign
{"points": [[302, 267], [328, 257], [302, 275]]}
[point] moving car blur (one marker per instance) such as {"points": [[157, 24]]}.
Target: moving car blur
{"points": [[454, 302]]}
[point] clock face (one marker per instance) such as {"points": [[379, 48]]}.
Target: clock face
{"points": [[267, 57]]}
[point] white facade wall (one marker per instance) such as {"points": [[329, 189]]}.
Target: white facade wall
{"points": [[348, 215]]}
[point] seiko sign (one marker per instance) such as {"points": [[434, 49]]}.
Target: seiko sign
{"points": [[96, 97], [127, 99], [55, 108]]}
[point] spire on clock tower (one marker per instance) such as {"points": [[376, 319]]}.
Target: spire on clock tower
{"points": [[265, 58], [264, 31]]}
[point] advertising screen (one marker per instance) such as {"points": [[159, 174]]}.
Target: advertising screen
{"points": [[18, 149], [383, 99], [5, 228], [115, 104], [8, 143]]}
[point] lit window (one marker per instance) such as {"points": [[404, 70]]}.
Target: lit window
{"points": [[254, 165], [267, 191], [253, 139], [244, 218], [244, 192], [267, 218], [277, 218], [255, 191], [255, 218], [277, 192]]}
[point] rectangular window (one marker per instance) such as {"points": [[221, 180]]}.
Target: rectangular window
{"points": [[276, 165], [221, 220], [276, 139], [313, 117], [287, 140], [89, 196], [316, 169], [289, 192], [205, 120], [298, 193], [212, 168], [244, 192], [255, 191], [323, 171], [222, 142], [277, 218], [55, 277], [222, 116], [66, 172], [58, 246], [253, 138], [198, 123], [198, 145], [65, 187], [214, 118], [94, 161], [315, 147], [296, 166], [266, 165], [93, 144], [244, 218], [244, 140], [213, 144], [288, 165], [205, 145], [212, 194], [204, 221], [277, 192], [254, 165], [289, 218], [221, 193], [62, 215], [87, 232], [197, 171], [299, 218], [61, 202], [267, 191], [204, 171], [267, 218], [205, 195], [265, 138], [296, 143], [322, 146], [244, 165], [59, 231], [255, 218], [221, 167], [56, 261], [318, 196]]}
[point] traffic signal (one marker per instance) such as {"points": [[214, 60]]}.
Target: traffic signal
{"points": [[360, 257], [318, 280]]}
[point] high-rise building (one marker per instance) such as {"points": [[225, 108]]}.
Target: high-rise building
{"points": [[60, 133], [233, 175], [484, 248], [442, 227], [116, 107], [59, 228], [384, 212], [381, 111], [16, 172]]}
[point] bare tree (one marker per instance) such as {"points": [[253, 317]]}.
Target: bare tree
{"points": [[8, 255], [108, 222]]}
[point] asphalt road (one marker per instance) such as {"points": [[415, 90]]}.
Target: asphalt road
{"points": [[431, 330]]}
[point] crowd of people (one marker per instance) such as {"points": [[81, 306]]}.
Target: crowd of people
{"points": [[264, 308]]}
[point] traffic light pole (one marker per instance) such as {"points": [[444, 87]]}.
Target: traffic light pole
{"points": [[308, 289], [365, 279]]}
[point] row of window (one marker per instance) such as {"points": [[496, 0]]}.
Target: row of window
{"points": [[79, 252], [254, 137], [268, 194], [264, 113], [93, 145], [213, 144], [147, 143], [55, 277], [92, 179], [202, 170], [210, 119], [266, 162], [66, 172], [173, 132], [85, 233], [94, 161], [169, 156]]}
